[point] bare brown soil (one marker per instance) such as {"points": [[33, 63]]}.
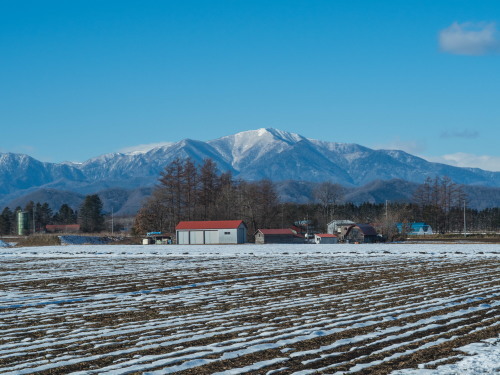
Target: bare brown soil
{"points": [[320, 314], [38, 240]]}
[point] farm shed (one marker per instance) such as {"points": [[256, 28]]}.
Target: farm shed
{"points": [[325, 238], [211, 232], [415, 228], [157, 238], [263, 236], [361, 233]]}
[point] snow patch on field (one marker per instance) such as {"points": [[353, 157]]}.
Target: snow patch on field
{"points": [[484, 358], [73, 249], [300, 309]]}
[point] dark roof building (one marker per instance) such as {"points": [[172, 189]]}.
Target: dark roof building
{"points": [[361, 233]]}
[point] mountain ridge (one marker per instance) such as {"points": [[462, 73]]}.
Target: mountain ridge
{"points": [[251, 155]]}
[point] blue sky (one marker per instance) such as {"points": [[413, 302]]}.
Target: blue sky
{"points": [[83, 78]]}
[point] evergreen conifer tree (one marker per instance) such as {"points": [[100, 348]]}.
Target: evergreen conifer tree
{"points": [[65, 215], [91, 217], [6, 221]]}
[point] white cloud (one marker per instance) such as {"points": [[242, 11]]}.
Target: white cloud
{"points": [[467, 134], [470, 38], [143, 148], [461, 159]]}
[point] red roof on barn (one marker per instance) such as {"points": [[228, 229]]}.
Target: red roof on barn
{"points": [[325, 235], [276, 231], [62, 227], [220, 224]]}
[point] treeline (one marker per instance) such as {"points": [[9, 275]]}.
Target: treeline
{"points": [[189, 192], [89, 216], [39, 215]]}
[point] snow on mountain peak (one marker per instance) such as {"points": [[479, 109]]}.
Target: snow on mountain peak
{"points": [[250, 145], [261, 132], [144, 148], [279, 135]]}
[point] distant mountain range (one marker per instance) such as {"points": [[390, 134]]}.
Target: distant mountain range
{"points": [[294, 162]]}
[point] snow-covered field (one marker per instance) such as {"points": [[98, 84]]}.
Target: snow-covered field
{"points": [[268, 309]]}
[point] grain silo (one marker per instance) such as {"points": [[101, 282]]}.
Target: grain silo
{"points": [[22, 223]]}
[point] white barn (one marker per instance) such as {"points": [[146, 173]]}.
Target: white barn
{"points": [[211, 232]]}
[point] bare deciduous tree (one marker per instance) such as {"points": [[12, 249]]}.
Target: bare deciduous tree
{"points": [[328, 194]]}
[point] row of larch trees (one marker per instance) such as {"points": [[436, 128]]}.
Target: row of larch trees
{"points": [[441, 202], [190, 192]]}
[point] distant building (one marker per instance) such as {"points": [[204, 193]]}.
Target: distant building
{"points": [[211, 232], [157, 238], [299, 230], [325, 238], [418, 229], [62, 228], [361, 233], [304, 228], [335, 226], [264, 236]]}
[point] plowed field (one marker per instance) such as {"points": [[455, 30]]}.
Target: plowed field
{"points": [[248, 309]]}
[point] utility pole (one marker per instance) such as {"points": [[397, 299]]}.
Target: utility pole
{"points": [[282, 213], [34, 209], [465, 226], [112, 221], [386, 219]]}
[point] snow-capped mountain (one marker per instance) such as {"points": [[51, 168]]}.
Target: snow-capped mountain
{"points": [[19, 172], [251, 155]]}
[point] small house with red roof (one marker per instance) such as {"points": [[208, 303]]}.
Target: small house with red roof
{"points": [[325, 238], [211, 232], [263, 236]]}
